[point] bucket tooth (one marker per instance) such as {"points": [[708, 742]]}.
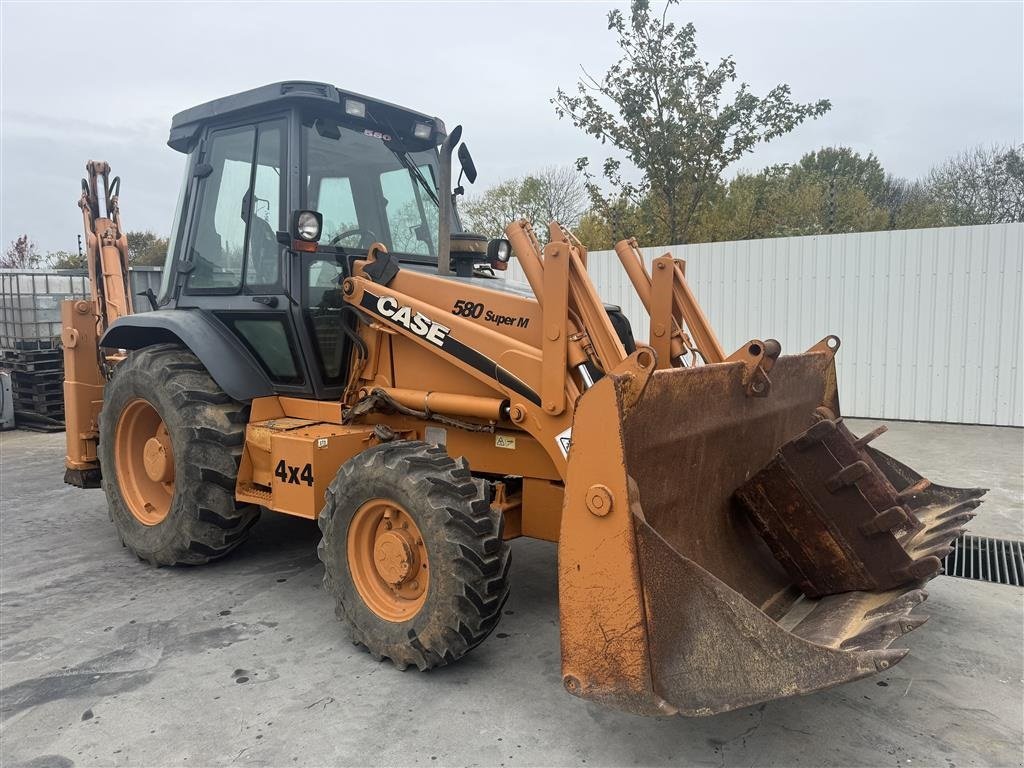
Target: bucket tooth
{"points": [[963, 507], [885, 659], [901, 604], [922, 569], [881, 633], [860, 442], [892, 518], [912, 491], [847, 476], [820, 431], [942, 534]]}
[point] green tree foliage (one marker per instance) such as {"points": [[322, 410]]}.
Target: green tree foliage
{"points": [[65, 260], [551, 193], [676, 118], [830, 190], [21, 254], [845, 168], [146, 249]]}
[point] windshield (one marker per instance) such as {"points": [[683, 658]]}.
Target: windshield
{"points": [[369, 190]]}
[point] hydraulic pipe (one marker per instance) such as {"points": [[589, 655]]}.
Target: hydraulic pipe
{"points": [[489, 408]]}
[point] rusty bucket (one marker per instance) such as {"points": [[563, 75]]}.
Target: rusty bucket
{"points": [[721, 549]]}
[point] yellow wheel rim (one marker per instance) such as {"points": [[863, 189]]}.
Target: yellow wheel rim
{"points": [[145, 462], [388, 560]]}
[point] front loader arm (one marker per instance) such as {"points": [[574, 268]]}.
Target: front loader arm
{"points": [[541, 381], [511, 368]]}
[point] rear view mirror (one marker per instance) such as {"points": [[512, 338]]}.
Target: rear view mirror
{"points": [[466, 161], [328, 129]]}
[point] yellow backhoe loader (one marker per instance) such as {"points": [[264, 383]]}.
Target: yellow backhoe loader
{"points": [[328, 343]]}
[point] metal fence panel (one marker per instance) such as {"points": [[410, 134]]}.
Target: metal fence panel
{"points": [[141, 279], [930, 319]]}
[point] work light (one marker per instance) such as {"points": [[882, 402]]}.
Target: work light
{"points": [[422, 130], [307, 225], [500, 250], [355, 108]]}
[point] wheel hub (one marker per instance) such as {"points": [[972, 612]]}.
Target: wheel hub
{"points": [[144, 462], [388, 560], [393, 555], [157, 458]]}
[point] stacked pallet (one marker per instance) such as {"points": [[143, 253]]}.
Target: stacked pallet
{"points": [[37, 381]]}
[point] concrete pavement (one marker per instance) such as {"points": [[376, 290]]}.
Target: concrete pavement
{"points": [[106, 661]]}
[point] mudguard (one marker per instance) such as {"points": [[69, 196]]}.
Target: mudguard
{"points": [[230, 364]]}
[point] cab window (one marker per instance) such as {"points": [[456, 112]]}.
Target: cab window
{"points": [[335, 201], [411, 220], [239, 211], [263, 261], [218, 246]]}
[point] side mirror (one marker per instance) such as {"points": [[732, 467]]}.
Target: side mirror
{"points": [[466, 161]]}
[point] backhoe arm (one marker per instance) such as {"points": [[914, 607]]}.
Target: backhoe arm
{"points": [[106, 244], [83, 322]]}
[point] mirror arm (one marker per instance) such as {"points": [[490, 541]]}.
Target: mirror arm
{"points": [[444, 229]]}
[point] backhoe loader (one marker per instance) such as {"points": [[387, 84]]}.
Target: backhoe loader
{"points": [[329, 343]]}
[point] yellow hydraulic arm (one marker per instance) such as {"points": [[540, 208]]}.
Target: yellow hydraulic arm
{"points": [[106, 244], [83, 322]]}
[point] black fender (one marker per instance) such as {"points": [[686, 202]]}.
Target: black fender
{"points": [[230, 364]]}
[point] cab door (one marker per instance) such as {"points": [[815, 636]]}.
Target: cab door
{"points": [[235, 267]]}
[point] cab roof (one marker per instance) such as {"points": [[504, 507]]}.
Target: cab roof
{"points": [[325, 99]]}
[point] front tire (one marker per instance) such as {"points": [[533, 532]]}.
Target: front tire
{"points": [[413, 554], [170, 443]]}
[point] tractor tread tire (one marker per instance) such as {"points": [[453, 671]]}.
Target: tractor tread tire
{"points": [[207, 431], [469, 559]]}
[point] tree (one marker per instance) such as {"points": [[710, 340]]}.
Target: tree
{"points": [[846, 168], [909, 205], [668, 112], [146, 249], [980, 186], [549, 194], [65, 260], [20, 254]]}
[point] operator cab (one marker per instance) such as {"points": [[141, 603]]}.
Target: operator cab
{"points": [[285, 186]]}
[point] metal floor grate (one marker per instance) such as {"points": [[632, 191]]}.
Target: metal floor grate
{"points": [[1000, 561]]}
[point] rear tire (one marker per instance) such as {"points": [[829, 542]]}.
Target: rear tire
{"points": [[170, 444], [448, 524]]}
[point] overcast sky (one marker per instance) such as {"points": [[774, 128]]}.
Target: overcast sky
{"points": [[912, 82]]}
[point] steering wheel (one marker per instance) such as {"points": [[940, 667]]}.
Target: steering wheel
{"points": [[367, 236], [264, 252]]}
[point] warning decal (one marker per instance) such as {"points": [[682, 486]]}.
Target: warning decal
{"points": [[564, 440]]}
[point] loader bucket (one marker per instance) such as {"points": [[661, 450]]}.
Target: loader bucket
{"points": [[717, 552]]}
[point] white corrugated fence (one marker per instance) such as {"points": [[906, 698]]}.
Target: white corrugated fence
{"points": [[930, 319]]}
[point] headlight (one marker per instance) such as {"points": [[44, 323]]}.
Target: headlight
{"points": [[422, 130], [307, 225]]}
